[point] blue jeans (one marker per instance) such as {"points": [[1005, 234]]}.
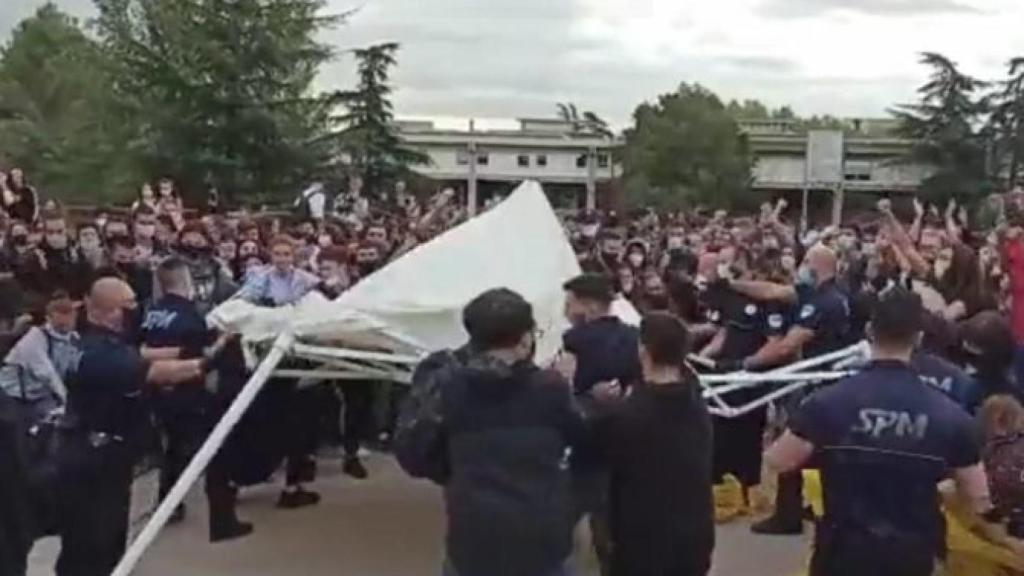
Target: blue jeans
{"points": [[563, 570]]}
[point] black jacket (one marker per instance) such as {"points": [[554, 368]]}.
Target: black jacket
{"points": [[503, 432], [661, 506], [15, 515]]}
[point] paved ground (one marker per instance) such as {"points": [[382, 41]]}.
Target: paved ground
{"points": [[387, 526]]}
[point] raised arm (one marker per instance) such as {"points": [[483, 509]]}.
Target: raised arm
{"points": [[901, 240], [764, 291]]}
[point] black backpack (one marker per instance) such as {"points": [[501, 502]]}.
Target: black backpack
{"points": [[420, 442]]}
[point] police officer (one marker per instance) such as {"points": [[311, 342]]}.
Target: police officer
{"points": [[821, 325], [884, 440], [105, 407], [742, 329], [173, 327]]}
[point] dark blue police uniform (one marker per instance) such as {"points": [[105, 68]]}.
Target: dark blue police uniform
{"points": [[948, 378], [738, 440], [106, 410], [884, 440], [183, 411], [824, 310]]}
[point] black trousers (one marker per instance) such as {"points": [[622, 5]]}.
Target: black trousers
{"points": [[16, 530], [739, 443], [185, 430], [358, 396], [95, 501], [591, 495]]}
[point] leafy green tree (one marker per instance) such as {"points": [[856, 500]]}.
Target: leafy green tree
{"points": [[944, 127], [1006, 123], [58, 120], [222, 89], [686, 149], [368, 137]]}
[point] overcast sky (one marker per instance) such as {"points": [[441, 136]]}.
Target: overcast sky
{"points": [[512, 58]]}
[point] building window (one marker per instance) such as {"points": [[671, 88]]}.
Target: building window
{"points": [[483, 159], [524, 161], [542, 160], [581, 161], [462, 158], [857, 171], [602, 160]]}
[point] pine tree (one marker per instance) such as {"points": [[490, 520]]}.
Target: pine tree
{"points": [[368, 137], [944, 125], [1007, 123]]}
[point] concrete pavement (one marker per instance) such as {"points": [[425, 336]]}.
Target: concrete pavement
{"points": [[385, 526]]}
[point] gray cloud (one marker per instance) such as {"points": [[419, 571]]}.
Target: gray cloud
{"points": [[809, 8], [511, 58]]}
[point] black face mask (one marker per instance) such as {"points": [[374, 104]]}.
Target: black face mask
{"points": [[19, 241], [195, 252], [367, 268]]}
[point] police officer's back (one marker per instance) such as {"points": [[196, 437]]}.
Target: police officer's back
{"points": [[883, 439], [173, 325]]}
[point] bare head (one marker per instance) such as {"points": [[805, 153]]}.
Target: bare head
{"points": [[107, 302], [822, 262]]}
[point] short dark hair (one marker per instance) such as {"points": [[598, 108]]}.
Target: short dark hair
{"points": [[990, 333], [665, 339], [497, 319], [897, 317], [596, 287], [167, 272]]}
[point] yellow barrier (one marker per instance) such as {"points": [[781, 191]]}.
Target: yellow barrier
{"points": [[969, 554]]}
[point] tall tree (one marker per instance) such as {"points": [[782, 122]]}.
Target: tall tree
{"points": [[222, 88], [944, 125], [1006, 123], [368, 136], [58, 120], [686, 149]]}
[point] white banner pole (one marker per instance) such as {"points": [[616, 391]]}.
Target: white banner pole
{"points": [[202, 458]]}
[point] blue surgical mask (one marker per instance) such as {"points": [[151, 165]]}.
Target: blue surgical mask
{"points": [[806, 276]]}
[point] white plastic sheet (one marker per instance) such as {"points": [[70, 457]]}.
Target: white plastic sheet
{"points": [[418, 299]]}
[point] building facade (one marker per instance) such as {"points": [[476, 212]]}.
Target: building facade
{"points": [[859, 158]]}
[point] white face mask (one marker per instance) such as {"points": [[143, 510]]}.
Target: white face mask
{"points": [[724, 271], [636, 260]]}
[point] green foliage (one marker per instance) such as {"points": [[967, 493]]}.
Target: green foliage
{"points": [[943, 124], [58, 118], [1006, 124], [368, 137], [684, 150], [221, 89]]}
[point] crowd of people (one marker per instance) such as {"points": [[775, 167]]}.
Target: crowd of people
{"points": [[102, 318]]}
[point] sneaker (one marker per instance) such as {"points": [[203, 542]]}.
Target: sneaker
{"points": [[230, 531], [354, 468], [774, 526], [299, 498]]}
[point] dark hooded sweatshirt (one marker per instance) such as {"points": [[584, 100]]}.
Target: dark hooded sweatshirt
{"points": [[507, 492]]}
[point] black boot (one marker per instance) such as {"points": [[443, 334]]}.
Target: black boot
{"points": [[789, 509], [297, 498], [224, 524]]}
